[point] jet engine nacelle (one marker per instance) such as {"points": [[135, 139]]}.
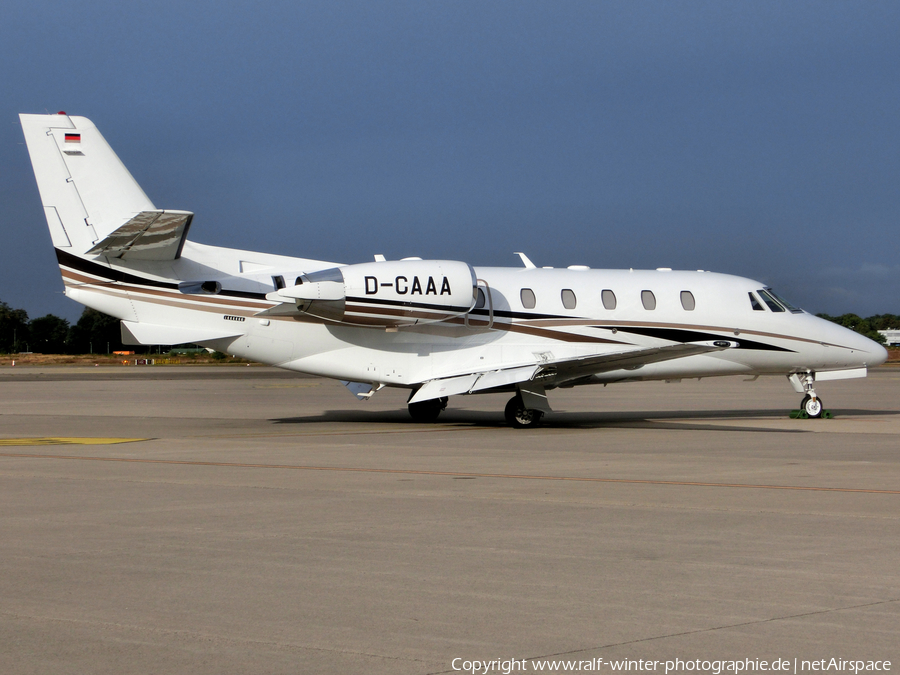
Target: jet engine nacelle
{"points": [[386, 294]]}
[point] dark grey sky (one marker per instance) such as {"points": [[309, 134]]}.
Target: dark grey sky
{"points": [[760, 139]]}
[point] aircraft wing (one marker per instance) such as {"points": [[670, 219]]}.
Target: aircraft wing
{"points": [[557, 371], [572, 369]]}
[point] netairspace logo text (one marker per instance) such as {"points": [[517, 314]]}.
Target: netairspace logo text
{"points": [[712, 667]]}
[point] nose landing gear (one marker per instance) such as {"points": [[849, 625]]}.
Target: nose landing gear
{"points": [[811, 404]]}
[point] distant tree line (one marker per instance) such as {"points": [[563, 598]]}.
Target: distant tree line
{"points": [[99, 333], [95, 332], [869, 326]]}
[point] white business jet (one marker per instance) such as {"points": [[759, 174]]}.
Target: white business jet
{"points": [[436, 327]]}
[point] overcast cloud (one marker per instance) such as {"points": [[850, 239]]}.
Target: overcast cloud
{"points": [[759, 139]]}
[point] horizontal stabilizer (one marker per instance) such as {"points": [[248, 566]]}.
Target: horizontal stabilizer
{"points": [[134, 333], [150, 235]]}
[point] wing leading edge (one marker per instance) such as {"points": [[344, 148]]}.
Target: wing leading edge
{"points": [[556, 372]]}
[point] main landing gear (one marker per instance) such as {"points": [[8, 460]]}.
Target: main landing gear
{"points": [[519, 412], [520, 417], [427, 411]]}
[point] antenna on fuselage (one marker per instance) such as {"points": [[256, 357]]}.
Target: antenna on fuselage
{"points": [[525, 261]]}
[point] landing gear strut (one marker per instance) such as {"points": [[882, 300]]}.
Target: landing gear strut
{"points": [[520, 417], [427, 411], [811, 404]]}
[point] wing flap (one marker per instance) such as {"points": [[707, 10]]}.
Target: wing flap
{"points": [[472, 382], [447, 386]]}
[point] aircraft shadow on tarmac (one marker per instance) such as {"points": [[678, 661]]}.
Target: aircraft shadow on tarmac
{"points": [[678, 420]]}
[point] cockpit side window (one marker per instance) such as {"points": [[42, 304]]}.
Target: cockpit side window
{"points": [[754, 303], [791, 308], [770, 301]]}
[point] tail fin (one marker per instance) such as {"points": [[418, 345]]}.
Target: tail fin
{"points": [[87, 192]]}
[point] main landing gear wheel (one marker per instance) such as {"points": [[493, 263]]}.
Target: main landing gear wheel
{"points": [[427, 411], [812, 406], [520, 417]]}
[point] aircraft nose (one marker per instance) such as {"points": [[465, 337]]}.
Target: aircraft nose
{"points": [[880, 354], [868, 352], [858, 350]]}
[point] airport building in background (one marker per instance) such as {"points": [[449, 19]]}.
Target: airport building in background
{"points": [[891, 337]]}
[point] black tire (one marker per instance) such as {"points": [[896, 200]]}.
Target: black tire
{"points": [[427, 411], [813, 408], [520, 417]]}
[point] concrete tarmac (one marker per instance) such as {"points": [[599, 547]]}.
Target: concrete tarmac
{"points": [[270, 523]]}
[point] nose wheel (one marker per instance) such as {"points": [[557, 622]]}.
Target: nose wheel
{"points": [[520, 417], [813, 407]]}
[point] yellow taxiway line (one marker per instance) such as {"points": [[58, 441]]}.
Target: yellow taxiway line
{"points": [[59, 440]]}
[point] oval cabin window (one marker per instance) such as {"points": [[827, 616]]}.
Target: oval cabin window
{"points": [[687, 301], [648, 299], [527, 296], [568, 298], [609, 299]]}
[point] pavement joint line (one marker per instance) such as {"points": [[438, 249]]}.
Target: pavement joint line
{"points": [[423, 472], [696, 631], [200, 635], [710, 629]]}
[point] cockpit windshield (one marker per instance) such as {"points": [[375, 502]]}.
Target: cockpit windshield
{"points": [[791, 308], [770, 301]]}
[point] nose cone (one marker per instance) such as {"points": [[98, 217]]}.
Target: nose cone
{"points": [[846, 348], [879, 354], [866, 352]]}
